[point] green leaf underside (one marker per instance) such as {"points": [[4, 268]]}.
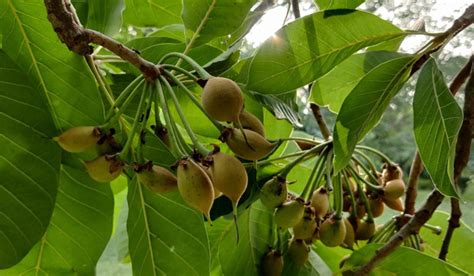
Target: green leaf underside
{"points": [[460, 248], [29, 165], [208, 19], [105, 16], [414, 262], [155, 13], [338, 4], [332, 89], [365, 105], [165, 235], [59, 75], [78, 232], [308, 48], [437, 120]]}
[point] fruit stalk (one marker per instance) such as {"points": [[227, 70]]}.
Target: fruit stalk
{"points": [[201, 72], [124, 95], [377, 152], [142, 130]]}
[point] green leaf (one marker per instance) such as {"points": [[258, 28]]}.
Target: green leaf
{"points": [[308, 48], [166, 236], [29, 162], [413, 262], [437, 119], [81, 7], [332, 256], [105, 16], [156, 13], [365, 105], [313, 267], [59, 75], [243, 258], [79, 230], [332, 89], [208, 19], [460, 248], [338, 4]]}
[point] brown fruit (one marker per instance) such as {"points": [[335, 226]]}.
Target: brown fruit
{"points": [[298, 251], [78, 139], [365, 230], [157, 179], [104, 168], [272, 264], [274, 192], [222, 99], [254, 148], [395, 204], [290, 213], [303, 145], [391, 172], [376, 206], [195, 186], [320, 202], [349, 238], [332, 232], [305, 229], [394, 189], [250, 121], [229, 176]]}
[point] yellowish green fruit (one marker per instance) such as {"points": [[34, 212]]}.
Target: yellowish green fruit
{"points": [[78, 139], [104, 168], [250, 121], [394, 189], [274, 192], [158, 179], [391, 172], [349, 238], [298, 251], [195, 186], [305, 229], [332, 232], [290, 213], [222, 99], [254, 148], [272, 264], [394, 204], [365, 230], [320, 202]]}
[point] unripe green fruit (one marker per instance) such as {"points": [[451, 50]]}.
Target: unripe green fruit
{"points": [[222, 99], [290, 213], [274, 192], [332, 232], [78, 139], [195, 186], [349, 238], [158, 179], [391, 172], [320, 202], [395, 204], [229, 176], [254, 148], [272, 264], [250, 121], [365, 230], [104, 168], [376, 206], [305, 229], [298, 251], [394, 189]]}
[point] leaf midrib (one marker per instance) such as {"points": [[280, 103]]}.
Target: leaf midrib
{"points": [[199, 28]]}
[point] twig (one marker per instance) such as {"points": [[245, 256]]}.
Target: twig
{"points": [[296, 8], [454, 218], [77, 38], [320, 120], [462, 154]]}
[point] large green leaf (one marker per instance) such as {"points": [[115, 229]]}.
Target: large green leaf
{"points": [[332, 89], [308, 48], [403, 261], [365, 105], [60, 76], [81, 7], [338, 4], [29, 164], [460, 248], [155, 13], [79, 230], [166, 236], [105, 16], [208, 19], [313, 267], [243, 258], [437, 120]]}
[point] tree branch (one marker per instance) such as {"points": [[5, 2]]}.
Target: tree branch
{"points": [[320, 120], [296, 8], [77, 38], [462, 154]]}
